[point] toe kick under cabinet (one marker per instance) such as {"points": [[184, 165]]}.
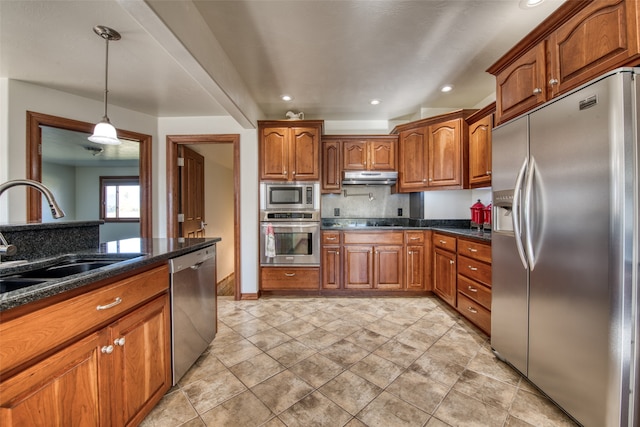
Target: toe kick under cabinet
{"points": [[462, 277]]}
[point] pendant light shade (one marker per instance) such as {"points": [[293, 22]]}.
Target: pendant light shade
{"points": [[105, 132]]}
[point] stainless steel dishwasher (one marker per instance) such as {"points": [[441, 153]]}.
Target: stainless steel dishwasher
{"points": [[193, 307]]}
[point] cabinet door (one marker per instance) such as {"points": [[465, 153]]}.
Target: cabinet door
{"points": [[480, 152], [354, 155], [358, 267], [61, 390], [141, 361], [413, 166], [415, 271], [274, 154], [304, 154], [382, 155], [331, 267], [445, 154], [388, 267], [444, 277], [601, 37], [331, 179], [522, 85]]}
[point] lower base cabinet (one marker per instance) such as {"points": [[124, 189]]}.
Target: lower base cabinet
{"points": [[289, 278], [113, 376]]}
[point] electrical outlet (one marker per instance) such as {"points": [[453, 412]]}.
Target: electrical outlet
{"points": [[336, 211], [399, 211]]}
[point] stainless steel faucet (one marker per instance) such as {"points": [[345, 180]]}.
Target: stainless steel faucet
{"points": [[56, 211]]}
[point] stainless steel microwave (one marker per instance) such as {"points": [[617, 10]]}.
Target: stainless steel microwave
{"points": [[289, 195]]}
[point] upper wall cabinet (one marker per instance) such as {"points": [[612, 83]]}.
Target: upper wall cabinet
{"points": [[290, 151], [370, 153], [433, 153], [575, 44], [480, 128]]}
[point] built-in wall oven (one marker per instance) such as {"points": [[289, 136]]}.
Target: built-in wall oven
{"points": [[290, 238]]}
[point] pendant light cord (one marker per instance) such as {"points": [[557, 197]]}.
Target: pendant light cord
{"points": [[106, 79]]}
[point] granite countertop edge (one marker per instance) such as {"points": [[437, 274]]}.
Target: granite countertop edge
{"points": [[152, 251], [458, 231]]}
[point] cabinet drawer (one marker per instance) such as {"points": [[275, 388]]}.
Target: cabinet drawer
{"points": [[414, 237], [444, 241], [330, 237], [36, 333], [476, 270], [289, 278], [473, 311], [380, 237], [475, 291], [474, 250]]}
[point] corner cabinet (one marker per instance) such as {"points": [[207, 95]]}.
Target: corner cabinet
{"points": [[98, 359], [578, 42], [433, 153], [480, 129], [289, 151]]}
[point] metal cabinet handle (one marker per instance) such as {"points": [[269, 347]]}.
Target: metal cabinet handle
{"points": [[472, 289], [488, 172], [553, 82], [430, 179], [537, 91], [451, 261], [107, 349], [443, 242], [414, 238], [289, 274], [119, 341], [472, 268], [424, 179], [294, 172], [472, 310], [472, 250], [331, 238], [115, 302]]}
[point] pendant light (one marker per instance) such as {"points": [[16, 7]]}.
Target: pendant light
{"points": [[105, 132]]}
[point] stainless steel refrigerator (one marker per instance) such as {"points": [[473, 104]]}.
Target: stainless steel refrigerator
{"points": [[565, 249]]}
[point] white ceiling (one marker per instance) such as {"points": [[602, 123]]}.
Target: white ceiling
{"points": [[204, 58]]}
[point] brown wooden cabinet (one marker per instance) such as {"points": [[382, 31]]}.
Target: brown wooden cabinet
{"points": [[330, 260], [474, 282], [369, 153], [289, 278], [480, 128], [331, 166], [433, 153], [288, 151], [444, 267], [60, 365], [417, 271], [575, 44]]}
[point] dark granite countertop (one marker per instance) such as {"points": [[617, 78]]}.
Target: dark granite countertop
{"points": [[137, 253], [456, 227]]}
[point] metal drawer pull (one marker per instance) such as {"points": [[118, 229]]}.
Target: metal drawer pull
{"points": [[537, 91], [472, 289], [414, 238], [289, 274], [107, 349], [473, 310], [331, 238], [115, 302], [472, 268], [451, 261], [472, 250], [444, 242], [119, 341]]}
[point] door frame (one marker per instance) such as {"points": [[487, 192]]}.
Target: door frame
{"points": [[173, 141], [34, 163]]}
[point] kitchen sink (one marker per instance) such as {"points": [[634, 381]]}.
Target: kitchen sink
{"points": [[9, 284], [67, 268]]}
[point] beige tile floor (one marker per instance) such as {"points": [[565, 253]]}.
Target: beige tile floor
{"points": [[350, 362]]}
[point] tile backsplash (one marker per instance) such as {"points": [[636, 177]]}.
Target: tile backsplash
{"points": [[365, 201]]}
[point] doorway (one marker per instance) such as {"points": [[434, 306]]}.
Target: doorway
{"points": [[200, 143]]}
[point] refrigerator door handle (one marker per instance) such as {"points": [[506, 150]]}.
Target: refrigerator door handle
{"points": [[515, 213], [527, 214]]}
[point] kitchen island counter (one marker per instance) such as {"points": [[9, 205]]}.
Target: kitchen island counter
{"points": [[138, 253]]}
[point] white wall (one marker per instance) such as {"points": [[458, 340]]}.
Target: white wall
{"points": [[453, 204], [248, 183], [21, 97], [61, 180]]}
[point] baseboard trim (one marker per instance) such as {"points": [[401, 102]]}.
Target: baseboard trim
{"points": [[252, 296]]}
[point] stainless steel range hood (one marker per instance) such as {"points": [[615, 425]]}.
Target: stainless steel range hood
{"points": [[369, 177]]}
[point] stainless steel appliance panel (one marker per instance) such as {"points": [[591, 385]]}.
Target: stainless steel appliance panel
{"points": [[510, 277], [193, 307], [570, 297], [296, 243], [289, 195]]}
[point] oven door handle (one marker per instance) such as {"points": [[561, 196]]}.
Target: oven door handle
{"points": [[301, 225]]}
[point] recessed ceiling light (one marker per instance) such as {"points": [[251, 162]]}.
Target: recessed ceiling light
{"points": [[447, 88], [287, 98], [526, 4], [374, 102]]}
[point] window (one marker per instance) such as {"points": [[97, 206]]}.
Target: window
{"points": [[120, 198]]}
